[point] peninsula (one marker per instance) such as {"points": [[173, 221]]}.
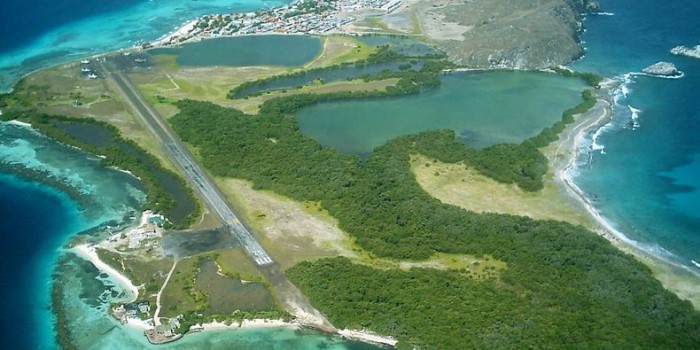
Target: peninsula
{"points": [[436, 239]]}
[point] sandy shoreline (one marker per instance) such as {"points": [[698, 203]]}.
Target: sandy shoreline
{"points": [[88, 253], [367, 337], [179, 32], [565, 173]]}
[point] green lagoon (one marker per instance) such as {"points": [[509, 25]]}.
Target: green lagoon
{"points": [[483, 108], [242, 51]]}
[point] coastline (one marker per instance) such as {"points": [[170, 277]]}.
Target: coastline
{"points": [[361, 335], [88, 253], [663, 268], [368, 337]]}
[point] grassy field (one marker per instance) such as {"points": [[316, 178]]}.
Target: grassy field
{"points": [[179, 295], [459, 185], [339, 49], [290, 231], [171, 83], [235, 262], [63, 85], [293, 232]]}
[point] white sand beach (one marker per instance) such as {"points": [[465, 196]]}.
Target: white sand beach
{"points": [[367, 337], [257, 323], [178, 33], [88, 253]]}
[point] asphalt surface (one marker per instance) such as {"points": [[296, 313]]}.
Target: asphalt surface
{"points": [[186, 162]]}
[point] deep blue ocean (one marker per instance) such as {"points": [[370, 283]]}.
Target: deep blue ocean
{"points": [[36, 220], [644, 176]]}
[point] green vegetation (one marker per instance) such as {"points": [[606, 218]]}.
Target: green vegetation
{"points": [[126, 154], [553, 302], [593, 80], [562, 283]]}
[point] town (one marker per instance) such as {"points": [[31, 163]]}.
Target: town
{"points": [[298, 17]]}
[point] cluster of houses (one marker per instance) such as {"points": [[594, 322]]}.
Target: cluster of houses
{"points": [[301, 16], [151, 226], [141, 310], [134, 310]]}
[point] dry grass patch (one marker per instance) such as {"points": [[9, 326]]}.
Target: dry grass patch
{"points": [[201, 83], [464, 187], [340, 48], [678, 280], [471, 266], [290, 231]]}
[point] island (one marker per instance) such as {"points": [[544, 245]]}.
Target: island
{"points": [[664, 70], [435, 239]]}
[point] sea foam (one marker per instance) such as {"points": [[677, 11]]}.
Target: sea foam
{"points": [[634, 117]]}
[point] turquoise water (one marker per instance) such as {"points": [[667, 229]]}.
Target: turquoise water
{"points": [[40, 217], [86, 28], [70, 193], [49, 192], [645, 171], [646, 183], [242, 51], [483, 108], [243, 339]]}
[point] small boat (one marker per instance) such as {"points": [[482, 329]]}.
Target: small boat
{"points": [[85, 70], [92, 76], [85, 61]]}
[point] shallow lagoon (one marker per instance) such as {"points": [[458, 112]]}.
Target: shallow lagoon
{"points": [[241, 51], [483, 108]]}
